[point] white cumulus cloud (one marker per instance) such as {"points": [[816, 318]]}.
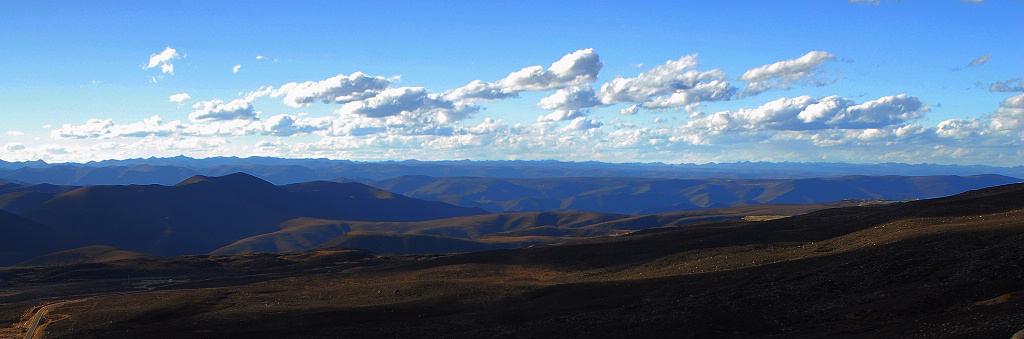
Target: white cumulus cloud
{"points": [[1010, 115], [215, 110], [562, 115], [674, 84], [807, 113], [573, 69], [807, 69], [339, 89], [163, 59], [411, 105], [180, 98], [571, 98]]}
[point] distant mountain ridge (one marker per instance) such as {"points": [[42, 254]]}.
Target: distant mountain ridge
{"points": [[203, 213], [168, 171], [652, 195], [240, 212]]}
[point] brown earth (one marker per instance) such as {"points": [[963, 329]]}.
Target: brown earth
{"points": [[941, 268]]}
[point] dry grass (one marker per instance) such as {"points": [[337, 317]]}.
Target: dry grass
{"points": [[763, 217], [912, 270]]}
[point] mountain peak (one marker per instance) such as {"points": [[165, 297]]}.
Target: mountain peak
{"points": [[237, 178]]}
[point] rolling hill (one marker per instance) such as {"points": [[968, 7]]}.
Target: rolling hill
{"points": [[23, 239], [86, 255], [648, 196], [203, 213], [938, 268], [307, 233], [490, 231]]}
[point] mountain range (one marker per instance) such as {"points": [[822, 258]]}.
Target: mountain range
{"points": [[203, 213], [238, 213], [655, 195], [933, 268], [168, 171]]}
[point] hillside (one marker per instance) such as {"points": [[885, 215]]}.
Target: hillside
{"points": [[203, 213], [939, 268], [85, 255], [16, 198], [307, 233], [491, 231], [23, 239], [648, 196]]}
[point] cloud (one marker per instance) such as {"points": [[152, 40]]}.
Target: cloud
{"points": [[288, 125], [414, 104], [631, 110], [106, 129], [14, 146], [279, 125], [477, 89], [1004, 127], [374, 121], [562, 115], [339, 89], [1010, 115], [574, 68], [571, 98], [675, 79], [216, 110], [15, 133], [235, 69], [163, 59], [806, 69], [716, 90], [180, 98], [1007, 86], [582, 124], [980, 61], [260, 57], [807, 113]]}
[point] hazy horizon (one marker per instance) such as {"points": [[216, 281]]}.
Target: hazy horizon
{"points": [[682, 83]]}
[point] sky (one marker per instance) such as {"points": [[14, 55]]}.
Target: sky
{"points": [[936, 81]]}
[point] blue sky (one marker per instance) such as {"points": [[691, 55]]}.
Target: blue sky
{"points": [[677, 82]]}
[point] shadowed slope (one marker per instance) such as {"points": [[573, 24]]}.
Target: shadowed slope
{"points": [[17, 198], [412, 243], [23, 239], [362, 202], [943, 268], [647, 196], [203, 213], [305, 233], [85, 255], [504, 230]]}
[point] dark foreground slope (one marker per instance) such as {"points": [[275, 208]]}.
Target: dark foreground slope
{"points": [[943, 268]]}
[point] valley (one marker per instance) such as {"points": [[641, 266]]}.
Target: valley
{"points": [[945, 267], [413, 256]]}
